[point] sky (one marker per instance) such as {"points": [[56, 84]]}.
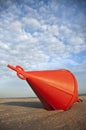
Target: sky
{"points": [[41, 35]]}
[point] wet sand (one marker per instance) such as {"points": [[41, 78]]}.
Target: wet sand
{"points": [[28, 114]]}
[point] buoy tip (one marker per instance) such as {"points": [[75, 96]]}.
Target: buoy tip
{"points": [[11, 67]]}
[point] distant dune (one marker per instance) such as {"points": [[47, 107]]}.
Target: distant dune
{"points": [[28, 114]]}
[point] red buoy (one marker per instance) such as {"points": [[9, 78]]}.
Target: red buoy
{"points": [[56, 89]]}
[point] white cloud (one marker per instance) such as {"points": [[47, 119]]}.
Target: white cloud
{"points": [[66, 30], [16, 27], [4, 46], [77, 44], [76, 40], [32, 22]]}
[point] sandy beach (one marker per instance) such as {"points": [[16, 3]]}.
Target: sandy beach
{"points": [[28, 114]]}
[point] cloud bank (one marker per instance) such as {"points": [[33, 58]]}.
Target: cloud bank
{"points": [[41, 35]]}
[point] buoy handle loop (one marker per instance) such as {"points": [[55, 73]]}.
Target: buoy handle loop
{"points": [[20, 71]]}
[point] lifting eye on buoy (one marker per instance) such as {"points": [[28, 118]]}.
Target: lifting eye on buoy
{"points": [[19, 70], [56, 89]]}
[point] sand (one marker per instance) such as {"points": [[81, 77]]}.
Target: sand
{"points": [[28, 114]]}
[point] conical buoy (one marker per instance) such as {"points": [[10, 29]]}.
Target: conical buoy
{"points": [[56, 89]]}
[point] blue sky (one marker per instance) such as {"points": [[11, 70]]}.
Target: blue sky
{"points": [[40, 35]]}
